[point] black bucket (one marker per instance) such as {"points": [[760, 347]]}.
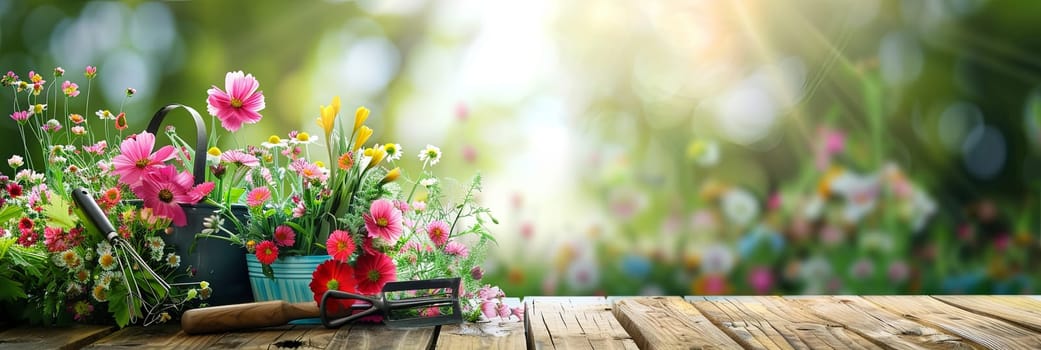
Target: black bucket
{"points": [[216, 261]]}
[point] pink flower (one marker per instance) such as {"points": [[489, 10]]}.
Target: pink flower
{"points": [[97, 148], [239, 104], [164, 190], [239, 158], [53, 239], [307, 170], [340, 245], [20, 116], [285, 236], [258, 196], [383, 220], [761, 280], [70, 89], [136, 158], [456, 248], [437, 230], [90, 72]]}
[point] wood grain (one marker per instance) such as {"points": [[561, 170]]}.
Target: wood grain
{"points": [[494, 334], [989, 332], [155, 337], [669, 323], [1022, 311], [364, 336], [575, 323], [770, 322], [884, 328], [73, 337]]}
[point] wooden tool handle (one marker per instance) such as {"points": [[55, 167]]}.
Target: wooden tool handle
{"points": [[245, 316]]}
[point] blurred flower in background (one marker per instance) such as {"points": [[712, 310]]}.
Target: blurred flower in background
{"points": [[667, 147]]}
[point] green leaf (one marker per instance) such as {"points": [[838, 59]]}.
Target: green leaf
{"points": [[9, 212], [118, 307], [57, 213], [235, 193], [10, 289]]}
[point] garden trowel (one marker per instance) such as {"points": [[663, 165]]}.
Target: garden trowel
{"points": [[401, 304]]}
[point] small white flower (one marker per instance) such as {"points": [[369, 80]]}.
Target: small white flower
{"points": [[393, 151], [740, 206], [15, 161], [105, 114], [427, 182], [173, 260], [430, 155], [274, 141]]}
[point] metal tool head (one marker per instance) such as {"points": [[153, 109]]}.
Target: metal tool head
{"points": [[402, 304]]}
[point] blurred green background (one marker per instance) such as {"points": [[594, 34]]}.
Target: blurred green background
{"points": [[651, 147]]}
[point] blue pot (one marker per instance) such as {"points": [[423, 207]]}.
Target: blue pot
{"points": [[292, 281]]}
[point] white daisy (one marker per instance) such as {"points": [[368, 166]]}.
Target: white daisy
{"points": [[427, 182], [430, 155], [393, 151]]}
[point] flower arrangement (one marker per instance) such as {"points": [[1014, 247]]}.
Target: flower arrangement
{"points": [[349, 205], [59, 263]]}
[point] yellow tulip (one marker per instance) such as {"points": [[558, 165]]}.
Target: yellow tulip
{"points": [[359, 117], [377, 156], [327, 119], [391, 176], [363, 136], [336, 105]]}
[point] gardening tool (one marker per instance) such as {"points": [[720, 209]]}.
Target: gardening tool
{"points": [[402, 304], [129, 262]]}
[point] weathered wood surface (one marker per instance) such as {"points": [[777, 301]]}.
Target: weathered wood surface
{"points": [[765, 322], [989, 332], [776, 323], [882, 327], [669, 323], [1025, 312], [575, 323], [494, 334], [74, 337]]}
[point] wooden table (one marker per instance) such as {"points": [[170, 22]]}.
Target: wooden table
{"points": [[761, 322]]}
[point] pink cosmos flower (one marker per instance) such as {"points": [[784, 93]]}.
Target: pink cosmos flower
{"points": [[97, 148], [258, 196], [70, 89], [136, 158], [437, 230], [383, 220], [308, 170], [285, 236], [164, 190], [239, 158], [238, 103], [90, 72], [456, 248], [340, 245], [20, 116]]}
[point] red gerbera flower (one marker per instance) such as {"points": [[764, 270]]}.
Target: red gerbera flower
{"points": [[26, 224], [334, 275], [267, 252], [15, 190], [340, 245], [373, 271]]}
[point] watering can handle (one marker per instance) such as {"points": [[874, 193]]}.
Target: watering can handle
{"points": [[199, 168]]}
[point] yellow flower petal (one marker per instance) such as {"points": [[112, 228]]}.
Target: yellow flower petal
{"points": [[360, 115], [363, 136], [392, 175]]}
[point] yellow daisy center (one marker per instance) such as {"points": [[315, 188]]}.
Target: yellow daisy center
{"points": [[274, 139], [303, 137]]}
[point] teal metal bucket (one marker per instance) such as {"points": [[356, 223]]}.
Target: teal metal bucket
{"points": [[292, 281]]}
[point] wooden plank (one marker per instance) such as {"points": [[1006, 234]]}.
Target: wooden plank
{"points": [[494, 334], [155, 337], [668, 323], [574, 323], [304, 337], [989, 332], [252, 339], [770, 322], [73, 337], [884, 328], [1021, 310], [366, 336]]}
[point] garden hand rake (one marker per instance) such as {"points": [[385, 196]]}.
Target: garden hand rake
{"points": [[129, 261]]}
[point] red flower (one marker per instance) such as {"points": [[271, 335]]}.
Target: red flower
{"points": [[333, 275], [26, 224], [27, 238], [121, 121], [267, 252], [373, 271], [340, 245], [14, 190]]}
